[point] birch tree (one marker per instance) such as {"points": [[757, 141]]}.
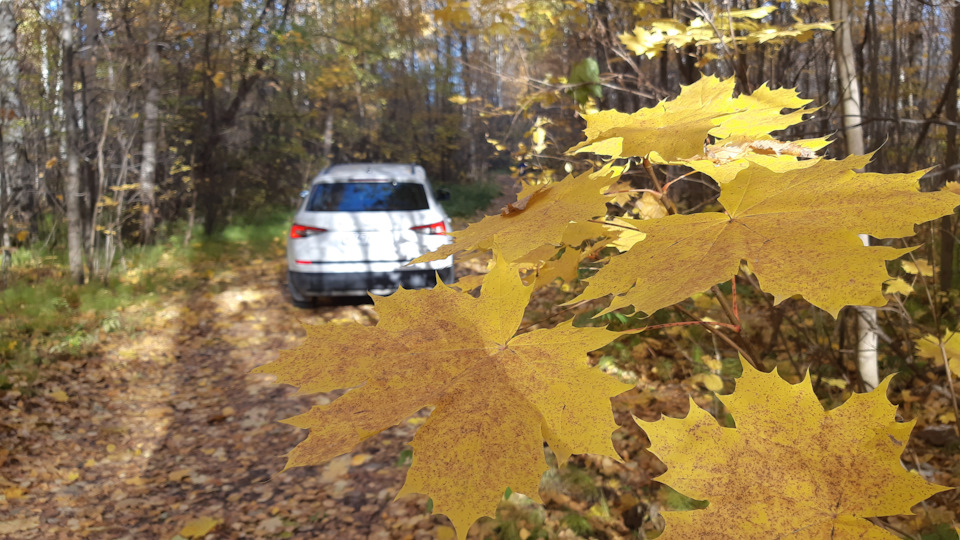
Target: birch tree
{"points": [[850, 108]]}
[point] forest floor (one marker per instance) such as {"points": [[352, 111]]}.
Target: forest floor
{"points": [[164, 433], [167, 426]]}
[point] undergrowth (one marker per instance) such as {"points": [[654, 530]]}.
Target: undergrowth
{"points": [[467, 200], [44, 317]]}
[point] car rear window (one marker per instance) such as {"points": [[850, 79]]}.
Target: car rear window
{"points": [[367, 197]]}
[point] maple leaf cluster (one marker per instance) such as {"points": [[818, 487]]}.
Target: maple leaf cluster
{"points": [[791, 217], [497, 396]]}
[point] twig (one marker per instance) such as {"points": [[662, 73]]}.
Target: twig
{"points": [[721, 335], [671, 207]]}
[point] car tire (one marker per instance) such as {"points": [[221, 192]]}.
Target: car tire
{"points": [[299, 300]]}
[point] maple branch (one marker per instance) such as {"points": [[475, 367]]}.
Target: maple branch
{"points": [[686, 323], [671, 207], [652, 173], [677, 179], [611, 224], [721, 335], [935, 311], [639, 190], [548, 317], [731, 314], [953, 395]]}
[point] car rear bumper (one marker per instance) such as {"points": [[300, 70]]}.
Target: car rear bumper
{"points": [[359, 283]]}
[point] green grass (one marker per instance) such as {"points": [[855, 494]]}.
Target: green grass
{"points": [[467, 200], [44, 317]]}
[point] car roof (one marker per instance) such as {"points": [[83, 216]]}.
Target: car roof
{"points": [[373, 171]]}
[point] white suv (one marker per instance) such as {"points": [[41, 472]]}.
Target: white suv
{"points": [[357, 228]]}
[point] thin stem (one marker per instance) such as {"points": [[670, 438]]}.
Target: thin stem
{"points": [[666, 187], [721, 335], [610, 224]]}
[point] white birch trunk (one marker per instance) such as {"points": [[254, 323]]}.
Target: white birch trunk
{"points": [[11, 130], [853, 135]]}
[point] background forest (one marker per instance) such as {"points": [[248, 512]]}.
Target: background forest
{"points": [[129, 117], [153, 152]]}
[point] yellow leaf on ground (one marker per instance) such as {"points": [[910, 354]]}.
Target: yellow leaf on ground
{"points": [[179, 475], [59, 396], [497, 396], [712, 363], [12, 493], [19, 525], [196, 528], [789, 465], [710, 381], [836, 383], [359, 459], [769, 223]]}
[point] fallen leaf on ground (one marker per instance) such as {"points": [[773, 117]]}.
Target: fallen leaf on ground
{"points": [[19, 525], [199, 527]]}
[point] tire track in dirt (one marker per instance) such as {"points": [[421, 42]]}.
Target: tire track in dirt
{"points": [[167, 425]]}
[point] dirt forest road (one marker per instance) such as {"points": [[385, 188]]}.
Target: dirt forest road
{"points": [[168, 426], [164, 433]]}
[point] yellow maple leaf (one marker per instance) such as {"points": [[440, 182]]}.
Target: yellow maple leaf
{"points": [[539, 217], [565, 267], [789, 469], [760, 112], [650, 207], [797, 230], [724, 160], [921, 267], [497, 396], [674, 129], [898, 285], [929, 347]]}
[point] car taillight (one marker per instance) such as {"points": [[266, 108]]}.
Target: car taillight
{"points": [[433, 228], [302, 231]]}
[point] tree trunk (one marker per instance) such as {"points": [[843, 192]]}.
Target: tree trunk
{"points": [[850, 107], [951, 158], [72, 184], [11, 131], [328, 131], [151, 113]]}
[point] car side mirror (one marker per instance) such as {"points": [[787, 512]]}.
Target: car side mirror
{"points": [[443, 195], [304, 193]]}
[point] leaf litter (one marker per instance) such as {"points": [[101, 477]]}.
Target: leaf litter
{"points": [[164, 433]]}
